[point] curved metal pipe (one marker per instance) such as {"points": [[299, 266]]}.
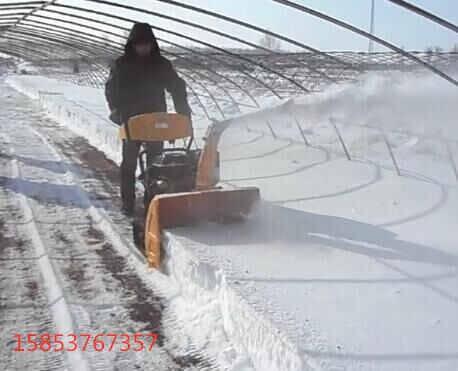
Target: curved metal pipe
{"points": [[57, 41], [36, 49], [16, 8], [117, 35], [84, 33], [12, 15], [376, 39], [204, 28], [81, 35], [212, 97], [416, 9], [173, 33], [253, 27], [32, 39], [209, 45], [18, 54], [9, 20], [233, 82], [24, 38], [37, 3], [19, 50]]}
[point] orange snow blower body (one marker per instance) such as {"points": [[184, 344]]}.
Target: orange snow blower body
{"points": [[181, 183]]}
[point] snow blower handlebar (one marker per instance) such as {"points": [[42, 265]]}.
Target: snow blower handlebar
{"points": [[152, 127]]}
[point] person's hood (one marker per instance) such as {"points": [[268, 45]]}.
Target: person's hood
{"points": [[141, 32]]}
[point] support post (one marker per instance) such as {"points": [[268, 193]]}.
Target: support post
{"points": [[390, 150], [298, 125], [452, 160], [271, 129], [339, 135]]}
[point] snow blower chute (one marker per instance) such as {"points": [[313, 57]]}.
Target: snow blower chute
{"points": [[181, 183]]}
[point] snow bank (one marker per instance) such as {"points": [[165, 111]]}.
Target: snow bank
{"points": [[422, 107], [205, 284], [423, 104], [68, 105], [416, 114]]}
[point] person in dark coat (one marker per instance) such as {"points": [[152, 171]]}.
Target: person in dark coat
{"points": [[136, 85]]}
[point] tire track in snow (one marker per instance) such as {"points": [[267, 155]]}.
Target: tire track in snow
{"points": [[23, 302], [57, 302]]}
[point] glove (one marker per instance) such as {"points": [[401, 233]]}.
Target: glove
{"points": [[115, 116]]}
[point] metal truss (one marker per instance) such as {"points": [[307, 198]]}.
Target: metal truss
{"points": [[78, 43]]}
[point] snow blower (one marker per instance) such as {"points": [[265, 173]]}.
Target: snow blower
{"points": [[181, 183]]}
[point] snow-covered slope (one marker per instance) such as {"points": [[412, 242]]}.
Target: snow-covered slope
{"points": [[346, 265]]}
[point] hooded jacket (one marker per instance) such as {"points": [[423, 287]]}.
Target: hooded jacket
{"points": [[137, 84]]}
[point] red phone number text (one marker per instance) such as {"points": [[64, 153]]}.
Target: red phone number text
{"points": [[84, 342]]}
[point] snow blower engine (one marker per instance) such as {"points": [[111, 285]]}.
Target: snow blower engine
{"points": [[181, 183], [173, 170]]}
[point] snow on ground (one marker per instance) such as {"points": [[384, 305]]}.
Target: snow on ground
{"points": [[346, 266], [67, 259]]}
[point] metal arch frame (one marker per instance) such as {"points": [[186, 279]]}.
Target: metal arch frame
{"points": [[238, 86], [424, 13], [36, 48], [108, 49], [102, 40], [226, 92], [124, 29], [363, 33], [159, 39], [30, 20], [54, 40], [12, 53], [36, 9], [212, 97], [13, 15], [32, 39], [89, 41], [176, 34], [18, 51], [117, 50], [201, 27], [33, 46], [82, 43], [52, 28], [43, 5], [263, 83], [222, 34], [7, 19], [252, 27], [16, 7], [36, 41], [200, 102], [37, 3], [83, 51], [25, 18], [209, 45]]}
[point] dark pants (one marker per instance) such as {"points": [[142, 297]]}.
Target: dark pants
{"points": [[130, 150]]}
